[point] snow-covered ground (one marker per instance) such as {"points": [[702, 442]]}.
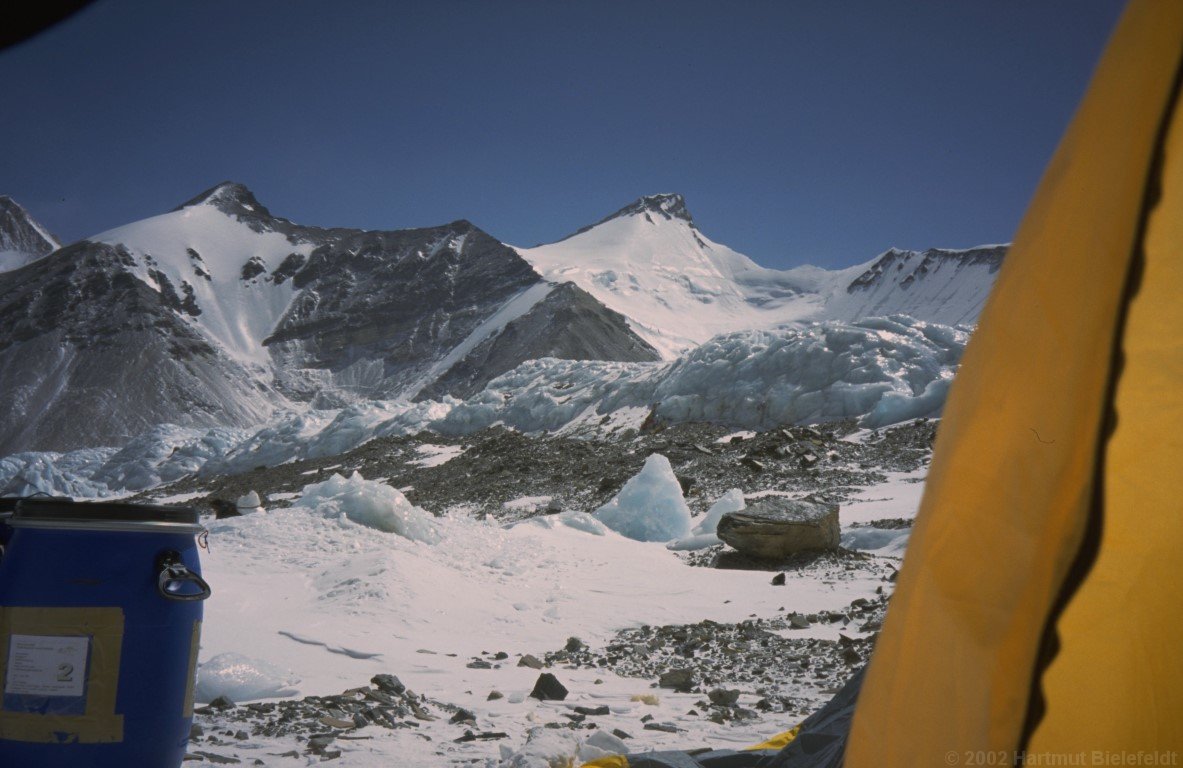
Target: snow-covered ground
{"points": [[325, 603]]}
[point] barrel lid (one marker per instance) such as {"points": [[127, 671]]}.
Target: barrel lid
{"points": [[67, 513]]}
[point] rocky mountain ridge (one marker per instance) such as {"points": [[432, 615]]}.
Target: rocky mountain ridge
{"points": [[22, 239], [219, 313]]}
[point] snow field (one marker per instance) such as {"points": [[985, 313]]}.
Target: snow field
{"points": [[327, 602]]}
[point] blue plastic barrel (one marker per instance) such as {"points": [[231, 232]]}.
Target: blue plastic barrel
{"points": [[100, 618]]}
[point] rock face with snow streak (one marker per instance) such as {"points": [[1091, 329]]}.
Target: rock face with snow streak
{"points": [[92, 355], [22, 240], [219, 314], [939, 285], [569, 324]]}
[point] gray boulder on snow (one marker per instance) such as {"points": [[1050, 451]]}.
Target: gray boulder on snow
{"points": [[775, 528]]}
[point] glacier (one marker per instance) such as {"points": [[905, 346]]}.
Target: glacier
{"points": [[878, 370]]}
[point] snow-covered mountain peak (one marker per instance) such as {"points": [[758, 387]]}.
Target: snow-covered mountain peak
{"points": [[650, 263], [22, 240]]}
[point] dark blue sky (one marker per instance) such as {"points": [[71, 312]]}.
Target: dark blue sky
{"points": [[800, 132]]}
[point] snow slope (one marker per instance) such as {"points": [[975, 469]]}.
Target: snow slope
{"points": [[201, 252]]}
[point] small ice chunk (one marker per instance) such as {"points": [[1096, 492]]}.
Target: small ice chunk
{"points": [[582, 521], [694, 541], [250, 501], [601, 744], [732, 501], [372, 504], [241, 678], [650, 506], [545, 748]]}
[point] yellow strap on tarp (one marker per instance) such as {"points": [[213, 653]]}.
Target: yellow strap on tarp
{"points": [[779, 741], [612, 761]]}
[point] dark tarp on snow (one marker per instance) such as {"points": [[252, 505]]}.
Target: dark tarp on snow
{"points": [[819, 743]]}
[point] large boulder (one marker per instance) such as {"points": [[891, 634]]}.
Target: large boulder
{"points": [[775, 528]]}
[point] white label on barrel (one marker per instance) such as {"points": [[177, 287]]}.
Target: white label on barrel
{"points": [[43, 665]]}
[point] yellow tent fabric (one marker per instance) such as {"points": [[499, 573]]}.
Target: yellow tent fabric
{"points": [[1049, 530]]}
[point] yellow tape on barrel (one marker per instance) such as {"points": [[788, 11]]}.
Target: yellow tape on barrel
{"points": [[27, 636]]}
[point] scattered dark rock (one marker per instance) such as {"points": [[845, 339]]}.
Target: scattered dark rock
{"points": [[217, 759], [778, 580], [593, 711], [388, 684], [753, 464], [548, 688], [722, 697], [463, 716], [797, 621], [336, 722], [483, 736], [530, 661], [320, 741], [681, 680], [223, 509]]}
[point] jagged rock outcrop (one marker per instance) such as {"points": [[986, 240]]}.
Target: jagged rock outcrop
{"points": [[22, 240]]}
